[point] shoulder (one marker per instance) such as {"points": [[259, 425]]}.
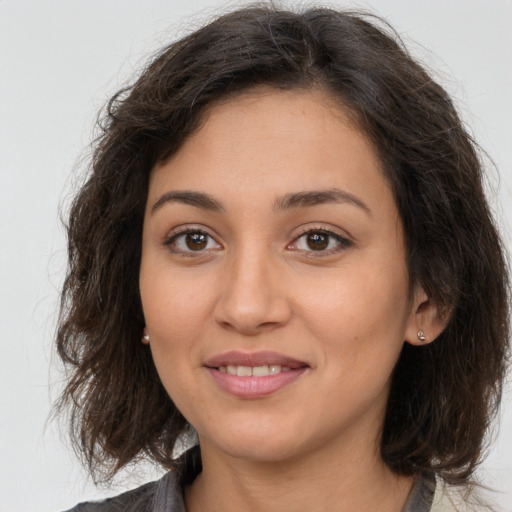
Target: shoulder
{"points": [[139, 499], [430, 493], [164, 494], [449, 498]]}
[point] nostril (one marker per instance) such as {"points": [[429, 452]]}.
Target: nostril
{"points": [[252, 314]]}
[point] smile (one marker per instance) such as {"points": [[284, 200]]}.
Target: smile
{"points": [[254, 375], [254, 371]]}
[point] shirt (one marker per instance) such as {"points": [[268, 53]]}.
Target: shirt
{"points": [[166, 495]]}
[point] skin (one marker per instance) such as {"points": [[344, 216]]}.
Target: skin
{"points": [[257, 285]]}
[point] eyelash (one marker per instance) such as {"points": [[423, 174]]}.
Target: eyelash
{"points": [[174, 237], [343, 243]]}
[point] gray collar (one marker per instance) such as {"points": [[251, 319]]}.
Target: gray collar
{"points": [[421, 496], [169, 494]]}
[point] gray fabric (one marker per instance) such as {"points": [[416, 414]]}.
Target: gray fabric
{"points": [[136, 500], [421, 496], [169, 495], [166, 495]]}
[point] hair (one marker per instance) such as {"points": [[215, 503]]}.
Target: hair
{"points": [[443, 395]]}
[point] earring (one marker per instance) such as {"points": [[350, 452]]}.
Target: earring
{"points": [[421, 336], [145, 337]]}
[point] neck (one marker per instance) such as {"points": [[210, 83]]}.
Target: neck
{"points": [[343, 479]]}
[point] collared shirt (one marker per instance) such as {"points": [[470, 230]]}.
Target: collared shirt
{"points": [[166, 495]]}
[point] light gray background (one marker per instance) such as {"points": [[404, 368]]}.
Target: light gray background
{"points": [[59, 61]]}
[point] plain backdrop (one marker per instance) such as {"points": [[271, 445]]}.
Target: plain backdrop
{"points": [[59, 62]]}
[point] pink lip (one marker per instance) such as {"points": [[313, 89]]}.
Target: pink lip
{"points": [[254, 387], [253, 359]]}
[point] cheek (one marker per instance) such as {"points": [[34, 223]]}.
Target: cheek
{"points": [[357, 302], [359, 318], [175, 304], [174, 311]]}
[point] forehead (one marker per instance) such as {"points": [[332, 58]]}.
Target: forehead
{"points": [[269, 141]]}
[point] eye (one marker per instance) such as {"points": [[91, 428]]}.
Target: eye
{"points": [[191, 240], [320, 241]]}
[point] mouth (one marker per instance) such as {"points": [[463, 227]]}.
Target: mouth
{"points": [[255, 375], [254, 371]]}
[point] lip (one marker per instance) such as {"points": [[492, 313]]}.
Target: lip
{"points": [[254, 387], [266, 357]]}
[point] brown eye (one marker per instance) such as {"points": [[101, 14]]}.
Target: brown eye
{"points": [[317, 241], [192, 241], [320, 242], [196, 241]]}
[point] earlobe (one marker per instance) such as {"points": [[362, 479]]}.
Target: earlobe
{"points": [[422, 337], [145, 336], [427, 320]]}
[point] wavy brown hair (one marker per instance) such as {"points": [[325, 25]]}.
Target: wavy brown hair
{"points": [[443, 395]]}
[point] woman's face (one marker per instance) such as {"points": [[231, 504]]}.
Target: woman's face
{"points": [[273, 278]]}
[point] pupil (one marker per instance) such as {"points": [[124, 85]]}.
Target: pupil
{"points": [[196, 241], [317, 241]]}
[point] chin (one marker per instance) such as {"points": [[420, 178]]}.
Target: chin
{"points": [[260, 441], [260, 450]]}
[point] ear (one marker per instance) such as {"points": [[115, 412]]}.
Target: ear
{"points": [[426, 320]]}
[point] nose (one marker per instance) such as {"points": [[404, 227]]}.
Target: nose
{"points": [[253, 297]]}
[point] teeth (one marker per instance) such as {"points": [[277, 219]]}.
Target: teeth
{"points": [[253, 371], [275, 368], [244, 371], [260, 371]]}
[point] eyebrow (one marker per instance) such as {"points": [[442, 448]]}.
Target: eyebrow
{"points": [[303, 199], [197, 199], [309, 198]]}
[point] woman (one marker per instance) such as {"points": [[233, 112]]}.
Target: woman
{"points": [[284, 247]]}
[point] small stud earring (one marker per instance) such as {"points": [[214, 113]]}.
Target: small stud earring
{"points": [[145, 337], [421, 336]]}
